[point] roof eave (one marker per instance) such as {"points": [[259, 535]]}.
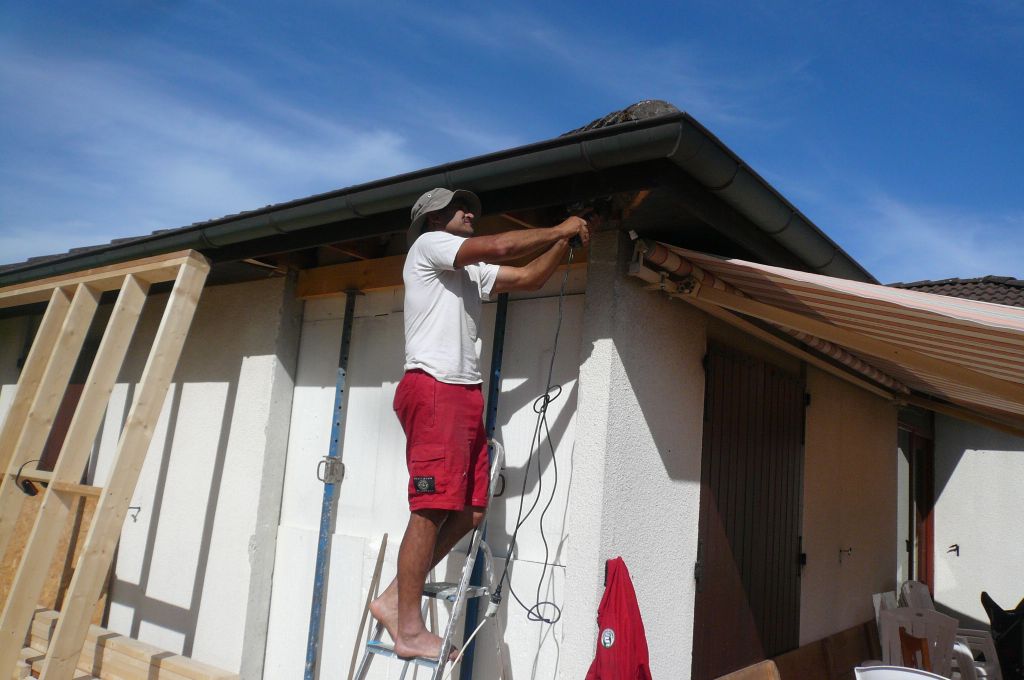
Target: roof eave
{"points": [[676, 137]]}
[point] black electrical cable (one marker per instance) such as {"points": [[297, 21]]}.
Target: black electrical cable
{"points": [[541, 432]]}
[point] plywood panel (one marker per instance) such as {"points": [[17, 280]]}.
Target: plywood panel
{"points": [[68, 550]]}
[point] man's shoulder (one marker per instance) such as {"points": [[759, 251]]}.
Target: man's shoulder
{"points": [[434, 251]]}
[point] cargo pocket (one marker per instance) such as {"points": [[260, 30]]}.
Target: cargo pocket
{"points": [[427, 469]]}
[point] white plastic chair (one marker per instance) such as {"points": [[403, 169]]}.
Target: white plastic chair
{"points": [[939, 629], [916, 594], [892, 673], [964, 661], [882, 601], [979, 642]]}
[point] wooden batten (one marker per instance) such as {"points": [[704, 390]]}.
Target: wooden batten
{"points": [[365, 275], [154, 269], [384, 273], [32, 373]]}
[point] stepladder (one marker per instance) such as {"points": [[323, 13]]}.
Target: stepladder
{"points": [[457, 594], [57, 347]]}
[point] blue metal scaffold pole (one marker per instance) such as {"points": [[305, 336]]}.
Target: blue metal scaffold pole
{"points": [[330, 471], [490, 422]]}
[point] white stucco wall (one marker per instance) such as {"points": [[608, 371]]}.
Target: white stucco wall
{"points": [[850, 497], [636, 480], [196, 557], [372, 499], [978, 481]]}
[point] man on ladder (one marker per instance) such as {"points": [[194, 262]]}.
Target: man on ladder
{"points": [[439, 402]]}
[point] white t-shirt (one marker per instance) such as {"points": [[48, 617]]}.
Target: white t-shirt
{"points": [[442, 308]]}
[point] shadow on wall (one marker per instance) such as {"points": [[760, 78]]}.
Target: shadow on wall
{"points": [[230, 327], [954, 438], [966, 621]]}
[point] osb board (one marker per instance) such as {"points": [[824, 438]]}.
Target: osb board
{"points": [[62, 567]]}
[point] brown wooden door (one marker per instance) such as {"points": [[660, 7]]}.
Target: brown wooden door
{"points": [[922, 465], [748, 571]]}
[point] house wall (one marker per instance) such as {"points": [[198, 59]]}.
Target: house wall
{"points": [[372, 498], [196, 553], [978, 475], [635, 485], [850, 497]]}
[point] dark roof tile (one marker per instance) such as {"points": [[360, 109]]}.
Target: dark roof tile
{"points": [[1001, 290]]}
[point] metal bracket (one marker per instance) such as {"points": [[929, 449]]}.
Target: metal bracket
{"points": [[689, 285], [330, 470]]}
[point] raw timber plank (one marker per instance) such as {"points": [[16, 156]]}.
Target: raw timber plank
{"points": [[100, 542], [108, 655], [56, 507], [150, 269], [41, 413], [32, 372], [365, 275]]}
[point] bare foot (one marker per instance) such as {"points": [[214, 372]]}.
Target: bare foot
{"points": [[385, 610], [425, 644]]}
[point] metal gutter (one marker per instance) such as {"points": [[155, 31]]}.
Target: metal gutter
{"points": [[677, 137]]}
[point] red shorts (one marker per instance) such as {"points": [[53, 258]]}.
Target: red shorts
{"points": [[446, 447]]}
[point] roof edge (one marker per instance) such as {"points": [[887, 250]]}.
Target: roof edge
{"points": [[677, 137]]}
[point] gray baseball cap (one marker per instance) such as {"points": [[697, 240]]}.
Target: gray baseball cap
{"points": [[438, 199]]}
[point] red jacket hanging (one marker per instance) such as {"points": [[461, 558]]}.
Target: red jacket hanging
{"points": [[621, 641]]}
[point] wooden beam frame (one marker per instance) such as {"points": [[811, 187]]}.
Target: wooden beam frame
{"points": [[154, 269], [101, 540], [57, 504], [39, 392], [49, 393]]}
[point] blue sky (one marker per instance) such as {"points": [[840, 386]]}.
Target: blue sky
{"points": [[896, 127]]}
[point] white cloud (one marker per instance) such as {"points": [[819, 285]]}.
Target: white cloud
{"points": [[124, 153], [624, 67], [899, 241]]}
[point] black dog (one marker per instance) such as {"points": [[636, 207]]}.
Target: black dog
{"points": [[1008, 634]]}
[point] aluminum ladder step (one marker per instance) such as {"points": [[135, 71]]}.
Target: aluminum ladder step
{"points": [[388, 651], [449, 590]]}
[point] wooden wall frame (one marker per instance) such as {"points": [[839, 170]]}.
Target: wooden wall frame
{"points": [[73, 300]]}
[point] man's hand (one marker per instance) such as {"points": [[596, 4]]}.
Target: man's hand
{"points": [[576, 226], [509, 245]]}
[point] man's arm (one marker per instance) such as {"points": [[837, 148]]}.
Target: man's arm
{"points": [[533, 275], [512, 244]]}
